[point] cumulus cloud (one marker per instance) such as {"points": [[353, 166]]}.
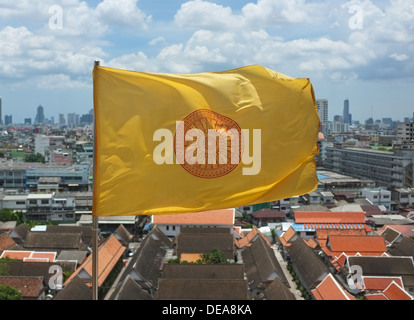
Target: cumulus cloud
{"points": [[297, 37], [123, 13]]}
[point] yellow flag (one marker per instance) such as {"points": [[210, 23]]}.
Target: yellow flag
{"points": [[178, 143]]}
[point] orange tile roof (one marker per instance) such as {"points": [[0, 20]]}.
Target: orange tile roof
{"points": [[365, 245], [212, 217], [395, 292], [380, 283], [190, 257], [29, 255], [5, 242], [108, 255], [330, 289], [376, 296], [329, 217], [245, 241], [289, 233], [322, 234]]}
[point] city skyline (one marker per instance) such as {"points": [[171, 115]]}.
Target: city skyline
{"points": [[358, 50]]}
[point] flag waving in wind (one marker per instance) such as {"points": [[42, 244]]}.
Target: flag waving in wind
{"points": [[178, 143]]}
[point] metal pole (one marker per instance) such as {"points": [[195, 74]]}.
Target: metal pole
{"points": [[95, 233], [95, 258]]}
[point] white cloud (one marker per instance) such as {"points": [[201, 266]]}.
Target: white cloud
{"points": [[123, 13], [206, 15], [399, 57], [297, 37]]}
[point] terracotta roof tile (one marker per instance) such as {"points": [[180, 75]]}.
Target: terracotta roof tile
{"points": [[395, 292], [5, 242], [329, 217], [108, 255], [212, 217], [30, 287], [330, 289], [29, 255], [380, 283], [376, 296], [365, 245], [246, 241]]}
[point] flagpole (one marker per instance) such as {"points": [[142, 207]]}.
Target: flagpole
{"points": [[95, 225]]}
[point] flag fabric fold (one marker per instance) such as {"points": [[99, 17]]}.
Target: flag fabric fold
{"points": [[178, 143]]}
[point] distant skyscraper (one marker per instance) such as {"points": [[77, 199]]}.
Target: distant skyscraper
{"points": [[8, 119], [62, 120], [1, 118], [322, 106], [345, 117], [40, 115]]}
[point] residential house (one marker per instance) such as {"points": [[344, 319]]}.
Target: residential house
{"points": [[264, 216], [327, 198], [171, 225], [378, 196], [313, 197], [403, 196]]}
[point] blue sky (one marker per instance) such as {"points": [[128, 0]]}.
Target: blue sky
{"points": [[360, 50]]}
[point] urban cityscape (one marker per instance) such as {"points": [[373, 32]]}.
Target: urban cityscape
{"points": [[350, 239]]}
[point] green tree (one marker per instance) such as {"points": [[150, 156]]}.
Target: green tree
{"points": [[7, 214], [9, 293], [34, 158], [215, 257]]}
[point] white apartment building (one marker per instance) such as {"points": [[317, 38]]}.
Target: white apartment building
{"points": [[405, 131], [378, 196]]}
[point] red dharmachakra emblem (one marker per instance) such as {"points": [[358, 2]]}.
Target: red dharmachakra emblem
{"points": [[218, 138]]}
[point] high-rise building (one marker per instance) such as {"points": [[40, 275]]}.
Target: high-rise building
{"points": [[1, 118], [62, 120], [322, 106], [345, 117], [8, 119], [40, 115]]}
